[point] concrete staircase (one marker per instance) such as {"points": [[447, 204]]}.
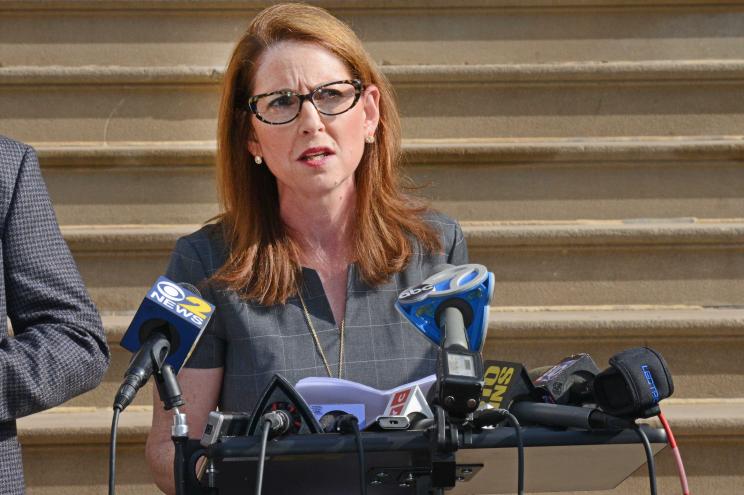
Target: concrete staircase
{"points": [[592, 150]]}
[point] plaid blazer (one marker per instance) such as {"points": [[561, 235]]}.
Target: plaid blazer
{"points": [[58, 349], [252, 342]]}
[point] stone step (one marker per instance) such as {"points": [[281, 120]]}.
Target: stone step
{"points": [[691, 262], [65, 451], [597, 263], [621, 99], [493, 179], [701, 345], [203, 32], [710, 435]]}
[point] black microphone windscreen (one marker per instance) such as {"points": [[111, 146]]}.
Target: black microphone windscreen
{"points": [[635, 382]]}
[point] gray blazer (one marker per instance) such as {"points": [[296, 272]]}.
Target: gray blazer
{"points": [[58, 349]]}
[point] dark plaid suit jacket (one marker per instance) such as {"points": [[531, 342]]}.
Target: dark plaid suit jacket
{"points": [[58, 349]]}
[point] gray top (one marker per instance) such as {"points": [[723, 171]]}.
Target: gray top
{"points": [[57, 349], [252, 342]]}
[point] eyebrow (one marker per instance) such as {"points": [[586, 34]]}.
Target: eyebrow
{"points": [[283, 90], [297, 92]]}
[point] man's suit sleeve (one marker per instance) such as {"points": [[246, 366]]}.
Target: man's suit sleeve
{"points": [[59, 349]]}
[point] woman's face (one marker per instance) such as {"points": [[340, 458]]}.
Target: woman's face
{"points": [[314, 154]]}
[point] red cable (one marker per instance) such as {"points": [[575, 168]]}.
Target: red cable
{"points": [[675, 452]]}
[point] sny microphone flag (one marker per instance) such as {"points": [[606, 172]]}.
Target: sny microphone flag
{"points": [[185, 314]]}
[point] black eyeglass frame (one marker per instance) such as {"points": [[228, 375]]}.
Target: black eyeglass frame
{"points": [[358, 86]]}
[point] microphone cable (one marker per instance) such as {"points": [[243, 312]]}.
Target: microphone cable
{"points": [[348, 423], [675, 452], [649, 458], [492, 417], [520, 450], [276, 423], [112, 451], [262, 455]]}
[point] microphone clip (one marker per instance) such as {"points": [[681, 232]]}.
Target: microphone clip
{"points": [[168, 388]]}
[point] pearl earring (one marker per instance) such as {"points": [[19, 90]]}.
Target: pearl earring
{"points": [[258, 160], [369, 139]]}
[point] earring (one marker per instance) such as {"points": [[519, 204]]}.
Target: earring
{"points": [[369, 139], [258, 160]]}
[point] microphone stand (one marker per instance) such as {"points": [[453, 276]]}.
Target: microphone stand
{"points": [[170, 394], [444, 439], [459, 387], [180, 437]]}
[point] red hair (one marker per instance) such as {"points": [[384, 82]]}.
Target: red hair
{"points": [[262, 263]]}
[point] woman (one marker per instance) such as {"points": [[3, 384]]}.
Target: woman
{"points": [[315, 240]]}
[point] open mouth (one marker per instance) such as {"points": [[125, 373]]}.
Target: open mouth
{"points": [[315, 155]]}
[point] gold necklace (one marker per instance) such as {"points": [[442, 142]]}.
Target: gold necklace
{"points": [[317, 341]]}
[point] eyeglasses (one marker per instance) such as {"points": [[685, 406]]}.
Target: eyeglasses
{"points": [[281, 107]]}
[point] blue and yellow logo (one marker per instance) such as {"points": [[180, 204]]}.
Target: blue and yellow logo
{"points": [[180, 301]]}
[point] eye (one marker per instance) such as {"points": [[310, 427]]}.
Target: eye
{"points": [[283, 100], [327, 94]]}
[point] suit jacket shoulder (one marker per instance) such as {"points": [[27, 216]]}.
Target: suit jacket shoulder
{"points": [[12, 154]]}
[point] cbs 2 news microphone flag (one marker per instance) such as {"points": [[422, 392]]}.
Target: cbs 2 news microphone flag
{"points": [[185, 313]]}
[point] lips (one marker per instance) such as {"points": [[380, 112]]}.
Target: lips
{"points": [[315, 155]]}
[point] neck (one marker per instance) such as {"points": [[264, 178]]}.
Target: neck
{"points": [[322, 227]]}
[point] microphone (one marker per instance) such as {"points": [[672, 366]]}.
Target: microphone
{"points": [[633, 385], [451, 309], [406, 409], [280, 395], [506, 382], [568, 382], [466, 288], [163, 333], [508, 386], [152, 354], [335, 395], [585, 418]]}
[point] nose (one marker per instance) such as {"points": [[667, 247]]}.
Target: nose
{"points": [[310, 119]]}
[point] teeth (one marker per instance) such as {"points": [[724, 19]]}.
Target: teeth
{"points": [[315, 155]]}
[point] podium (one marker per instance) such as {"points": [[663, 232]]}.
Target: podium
{"points": [[399, 463]]}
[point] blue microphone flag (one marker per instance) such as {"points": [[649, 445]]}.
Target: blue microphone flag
{"points": [[471, 283], [184, 312]]}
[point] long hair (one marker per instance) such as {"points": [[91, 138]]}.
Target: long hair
{"points": [[263, 263]]}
